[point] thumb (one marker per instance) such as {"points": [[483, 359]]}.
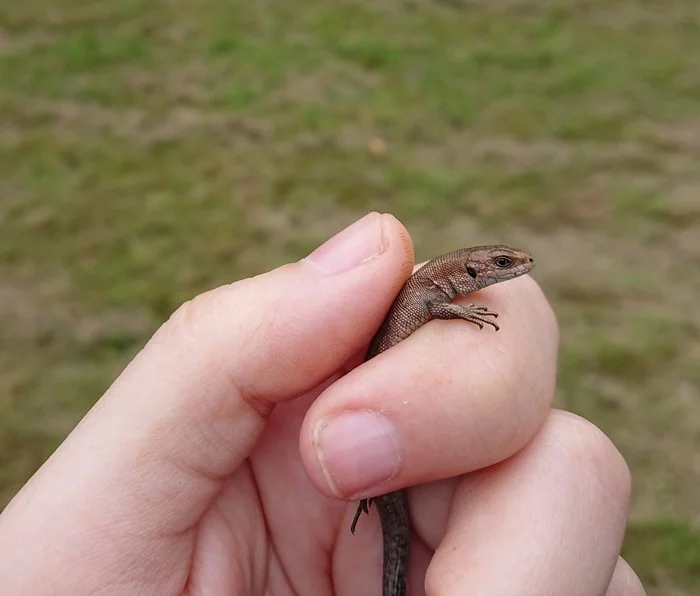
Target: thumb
{"points": [[189, 408]]}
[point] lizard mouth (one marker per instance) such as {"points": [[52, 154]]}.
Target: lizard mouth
{"points": [[517, 271]]}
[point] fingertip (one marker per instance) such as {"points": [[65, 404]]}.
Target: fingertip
{"points": [[554, 515], [405, 244], [547, 319], [625, 582]]}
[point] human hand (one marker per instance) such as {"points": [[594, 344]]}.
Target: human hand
{"points": [[214, 463]]}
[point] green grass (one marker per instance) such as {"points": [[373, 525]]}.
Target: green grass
{"points": [[149, 151], [665, 550]]}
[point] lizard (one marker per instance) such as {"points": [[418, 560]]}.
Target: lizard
{"points": [[425, 296]]}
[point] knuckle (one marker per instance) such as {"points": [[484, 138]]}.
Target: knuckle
{"points": [[588, 451], [202, 318]]}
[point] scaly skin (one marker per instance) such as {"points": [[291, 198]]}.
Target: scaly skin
{"points": [[428, 295]]}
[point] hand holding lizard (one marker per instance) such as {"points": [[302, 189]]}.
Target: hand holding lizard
{"points": [[211, 464]]}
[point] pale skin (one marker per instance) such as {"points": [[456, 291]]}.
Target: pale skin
{"points": [[217, 463]]}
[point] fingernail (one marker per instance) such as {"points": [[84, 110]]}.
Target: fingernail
{"points": [[356, 244], [357, 451]]}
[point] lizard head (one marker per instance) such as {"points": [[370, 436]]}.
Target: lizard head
{"points": [[488, 265]]}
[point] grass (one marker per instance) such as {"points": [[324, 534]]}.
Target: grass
{"points": [[151, 151]]}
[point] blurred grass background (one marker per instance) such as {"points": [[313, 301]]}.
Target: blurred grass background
{"points": [[152, 150]]}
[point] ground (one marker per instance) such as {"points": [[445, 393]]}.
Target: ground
{"points": [[149, 151]]}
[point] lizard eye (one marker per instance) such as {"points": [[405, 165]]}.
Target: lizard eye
{"points": [[503, 262]]}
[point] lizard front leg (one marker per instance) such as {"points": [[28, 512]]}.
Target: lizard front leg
{"points": [[474, 313]]}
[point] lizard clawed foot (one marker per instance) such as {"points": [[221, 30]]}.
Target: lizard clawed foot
{"points": [[479, 307], [475, 313], [480, 322], [363, 507]]}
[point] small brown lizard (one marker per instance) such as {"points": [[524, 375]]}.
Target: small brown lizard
{"points": [[428, 295]]}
